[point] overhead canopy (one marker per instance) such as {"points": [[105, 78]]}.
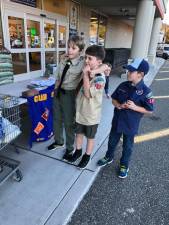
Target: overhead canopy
{"points": [[122, 8]]}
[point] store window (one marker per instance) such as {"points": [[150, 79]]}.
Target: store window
{"points": [[61, 55], [97, 29], [102, 30], [49, 37], [19, 63], [33, 34], [50, 57], [34, 61], [16, 32], [62, 36], [94, 22]]}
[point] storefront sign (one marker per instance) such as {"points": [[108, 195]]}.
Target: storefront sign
{"points": [[73, 18], [26, 2]]}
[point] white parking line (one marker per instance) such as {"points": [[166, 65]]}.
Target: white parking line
{"points": [[159, 79], [164, 71]]}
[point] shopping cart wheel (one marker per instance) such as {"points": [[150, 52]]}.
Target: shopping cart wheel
{"points": [[17, 176]]}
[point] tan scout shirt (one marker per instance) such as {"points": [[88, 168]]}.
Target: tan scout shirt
{"points": [[73, 75], [88, 111]]}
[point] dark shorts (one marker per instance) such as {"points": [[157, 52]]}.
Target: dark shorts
{"points": [[88, 131]]}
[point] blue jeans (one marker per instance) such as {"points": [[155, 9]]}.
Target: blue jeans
{"points": [[128, 141], [106, 87]]}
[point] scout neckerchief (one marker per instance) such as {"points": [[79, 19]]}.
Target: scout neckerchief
{"points": [[68, 63]]}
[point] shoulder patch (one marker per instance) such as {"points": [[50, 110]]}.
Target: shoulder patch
{"points": [[149, 95], [99, 82]]}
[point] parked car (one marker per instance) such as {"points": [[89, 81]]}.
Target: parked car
{"points": [[166, 52], [159, 53]]}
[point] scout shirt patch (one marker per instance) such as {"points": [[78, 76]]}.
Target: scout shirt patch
{"points": [[139, 92], [99, 82], [150, 98]]}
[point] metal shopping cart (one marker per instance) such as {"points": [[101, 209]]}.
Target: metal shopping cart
{"points": [[9, 131]]}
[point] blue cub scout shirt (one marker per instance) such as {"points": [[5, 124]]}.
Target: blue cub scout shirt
{"points": [[126, 120]]}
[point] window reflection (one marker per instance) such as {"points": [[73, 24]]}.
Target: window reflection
{"points": [[102, 30], [50, 58], [49, 30], [61, 55], [62, 36], [94, 21], [50, 62], [16, 32], [19, 63], [34, 61], [97, 29], [33, 34]]}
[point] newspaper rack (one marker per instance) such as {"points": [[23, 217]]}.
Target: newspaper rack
{"points": [[9, 131]]}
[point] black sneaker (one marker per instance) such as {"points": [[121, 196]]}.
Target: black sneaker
{"points": [[104, 161], [55, 146], [77, 154], [84, 161], [67, 156]]}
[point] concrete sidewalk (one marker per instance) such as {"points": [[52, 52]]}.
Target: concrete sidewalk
{"points": [[52, 189]]}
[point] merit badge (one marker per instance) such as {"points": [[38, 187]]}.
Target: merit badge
{"points": [[139, 92]]}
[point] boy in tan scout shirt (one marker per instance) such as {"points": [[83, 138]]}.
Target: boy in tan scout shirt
{"points": [[89, 102], [68, 76]]}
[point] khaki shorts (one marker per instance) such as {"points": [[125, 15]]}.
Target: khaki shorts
{"points": [[88, 131]]}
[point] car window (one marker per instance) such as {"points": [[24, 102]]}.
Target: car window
{"points": [[166, 48]]}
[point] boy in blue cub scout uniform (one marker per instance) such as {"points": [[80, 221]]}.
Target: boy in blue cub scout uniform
{"points": [[132, 99]]}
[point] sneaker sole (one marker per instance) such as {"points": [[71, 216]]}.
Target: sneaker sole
{"points": [[58, 147], [80, 168], [75, 160], [105, 164], [123, 176]]}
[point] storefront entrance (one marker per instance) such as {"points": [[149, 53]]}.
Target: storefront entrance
{"points": [[34, 41]]}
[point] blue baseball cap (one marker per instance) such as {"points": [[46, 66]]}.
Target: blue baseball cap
{"points": [[138, 64]]}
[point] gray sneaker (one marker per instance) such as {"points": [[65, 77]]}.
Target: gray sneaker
{"points": [[55, 146], [104, 161]]}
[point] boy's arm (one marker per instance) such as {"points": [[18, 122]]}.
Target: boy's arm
{"points": [[118, 105], [131, 105], [86, 82], [100, 69]]}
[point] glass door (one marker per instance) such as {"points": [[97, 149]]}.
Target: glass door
{"points": [[32, 41], [14, 40], [50, 45]]}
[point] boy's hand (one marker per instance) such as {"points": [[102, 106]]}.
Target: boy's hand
{"points": [[101, 69], [86, 70], [124, 106], [131, 105], [93, 73]]}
